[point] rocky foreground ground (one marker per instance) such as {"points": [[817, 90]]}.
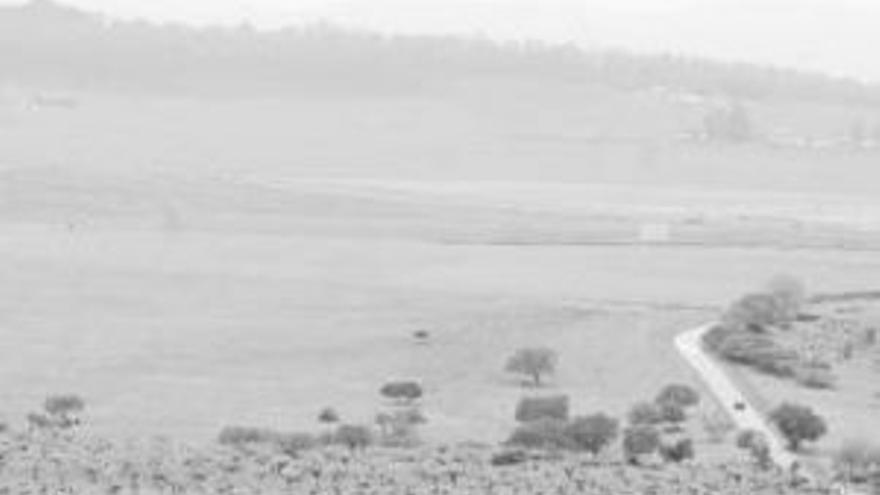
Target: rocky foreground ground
{"points": [[56, 464]]}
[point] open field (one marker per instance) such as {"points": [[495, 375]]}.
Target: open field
{"points": [[183, 331], [183, 275]]}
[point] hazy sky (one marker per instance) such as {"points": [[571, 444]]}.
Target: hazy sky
{"points": [[837, 36]]}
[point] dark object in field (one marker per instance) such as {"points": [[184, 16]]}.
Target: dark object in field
{"points": [[739, 406], [422, 335], [406, 391], [807, 318]]}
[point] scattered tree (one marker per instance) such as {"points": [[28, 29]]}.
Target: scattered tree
{"points": [[592, 433], [403, 391], [798, 424], [533, 362]]}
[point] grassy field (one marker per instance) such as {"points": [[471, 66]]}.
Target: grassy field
{"points": [[184, 270]]}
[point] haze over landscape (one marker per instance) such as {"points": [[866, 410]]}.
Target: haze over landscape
{"points": [[835, 36], [384, 254]]}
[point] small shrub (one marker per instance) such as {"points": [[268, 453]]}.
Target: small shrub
{"points": [[639, 441], [294, 443], [534, 408], [671, 412], [679, 451], [39, 421], [328, 415], [238, 436], [679, 394], [645, 413], [399, 429], [509, 457], [544, 433], [756, 444], [62, 409], [353, 436]]}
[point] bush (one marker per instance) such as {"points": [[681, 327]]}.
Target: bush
{"points": [[639, 441], [328, 415], [680, 451], [62, 409], [544, 433], [798, 424], [533, 362], [756, 444], [238, 436], [399, 429], [592, 433], [406, 391], [671, 412], [353, 436], [534, 408], [757, 351], [681, 395], [509, 457], [645, 413], [294, 443]]}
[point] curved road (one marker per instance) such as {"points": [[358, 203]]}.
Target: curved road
{"points": [[690, 345]]}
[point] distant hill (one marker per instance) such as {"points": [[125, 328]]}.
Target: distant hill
{"points": [[46, 43]]}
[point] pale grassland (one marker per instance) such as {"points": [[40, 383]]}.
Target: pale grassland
{"points": [[145, 270]]}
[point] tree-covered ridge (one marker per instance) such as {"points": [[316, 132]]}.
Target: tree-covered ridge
{"points": [[43, 42]]}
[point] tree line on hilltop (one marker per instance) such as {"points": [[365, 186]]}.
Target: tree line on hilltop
{"points": [[46, 43]]}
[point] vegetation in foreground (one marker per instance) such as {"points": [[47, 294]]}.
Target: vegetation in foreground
{"points": [[548, 453], [44, 462]]}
